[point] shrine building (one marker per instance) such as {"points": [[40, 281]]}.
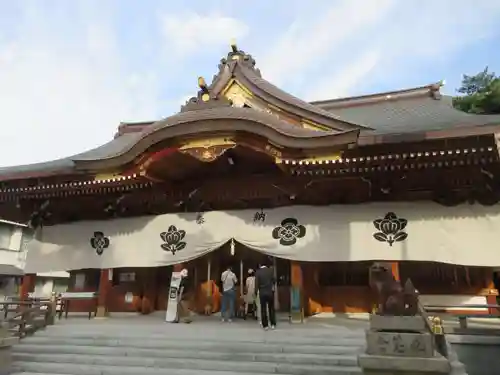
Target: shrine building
{"points": [[246, 173]]}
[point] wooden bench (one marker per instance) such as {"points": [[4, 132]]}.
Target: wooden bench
{"points": [[65, 299], [462, 318]]}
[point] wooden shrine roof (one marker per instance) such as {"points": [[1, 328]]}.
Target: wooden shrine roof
{"points": [[420, 111], [409, 115]]}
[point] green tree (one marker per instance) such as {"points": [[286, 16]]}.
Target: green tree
{"points": [[480, 93]]}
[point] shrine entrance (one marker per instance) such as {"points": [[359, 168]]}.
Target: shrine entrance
{"points": [[208, 269]]}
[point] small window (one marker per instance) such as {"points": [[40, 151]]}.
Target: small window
{"points": [[80, 280]]}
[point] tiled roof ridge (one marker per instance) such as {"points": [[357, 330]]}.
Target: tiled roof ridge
{"points": [[132, 127], [431, 90]]}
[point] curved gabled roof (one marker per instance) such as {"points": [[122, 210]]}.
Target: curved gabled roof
{"points": [[224, 119], [285, 101], [67, 165], [241, 66]]}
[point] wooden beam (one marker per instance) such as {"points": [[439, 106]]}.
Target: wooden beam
{"points": [[103, 292], [27, 286]]}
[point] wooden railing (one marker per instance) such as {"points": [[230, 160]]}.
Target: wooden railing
{"points": [[463, 317], [22, 318]]}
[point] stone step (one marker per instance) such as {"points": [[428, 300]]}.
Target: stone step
{"points": [[64, 369], [32, 353], [104, 326], [153, 372], [137, 330], [336, 346], [249, 336], [90, 365], [113, 347], [254, 332]]}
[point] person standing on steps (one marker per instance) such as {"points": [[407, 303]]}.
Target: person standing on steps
{"points": [[250, 293], [264, 285], [183, 298], [229, 282]]}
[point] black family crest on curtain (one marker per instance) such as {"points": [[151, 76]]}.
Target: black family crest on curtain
{"points": [[172, 239], [289, 231], [99, 242], [390, 229], [259, 216], [200, 219]]}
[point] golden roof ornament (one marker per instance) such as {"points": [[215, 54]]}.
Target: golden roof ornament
{"points": [[205, 94], [201, 83], [236, 54], [204, 100], [234, 46]]}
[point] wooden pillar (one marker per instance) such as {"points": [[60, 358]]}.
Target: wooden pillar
{"points": [[296, 293], [395, 270], [492, 292], [27, 286], [209, 278], [103, 291], [149, 284], [276, 293], [209, 308]]}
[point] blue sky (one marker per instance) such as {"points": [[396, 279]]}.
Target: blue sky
{"points": [[70, 71]]}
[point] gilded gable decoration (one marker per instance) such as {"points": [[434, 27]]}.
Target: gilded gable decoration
{"points": [[204, 99], [207, 150], [241, 56]]}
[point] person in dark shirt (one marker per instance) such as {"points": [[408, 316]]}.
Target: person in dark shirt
{"points": [[264, 284]]}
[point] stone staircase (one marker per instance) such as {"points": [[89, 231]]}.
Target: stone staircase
{"points": [[141, 346]]}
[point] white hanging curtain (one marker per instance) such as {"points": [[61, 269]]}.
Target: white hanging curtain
{"points": [[465, 235]]}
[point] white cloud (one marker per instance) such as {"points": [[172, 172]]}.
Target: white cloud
{"points": [[310, 41], [189, 32], [331, 52], [342, 81], [62, 93]]}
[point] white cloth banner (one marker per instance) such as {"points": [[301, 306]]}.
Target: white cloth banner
{"points": [[465, 235]]}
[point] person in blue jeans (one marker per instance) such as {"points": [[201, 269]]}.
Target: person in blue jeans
{"points": [[229, 281]]}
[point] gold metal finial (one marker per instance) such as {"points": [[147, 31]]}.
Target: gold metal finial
{"points": [[234, 46], [202, 84], [205, 96]]}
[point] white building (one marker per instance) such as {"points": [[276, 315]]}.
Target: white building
{"points": [[14, 238]]}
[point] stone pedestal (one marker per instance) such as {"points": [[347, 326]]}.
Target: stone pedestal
{"points": [[401, 345], [387, 365]]}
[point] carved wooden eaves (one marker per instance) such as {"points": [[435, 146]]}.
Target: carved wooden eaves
{"points": [[207, 150]]}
